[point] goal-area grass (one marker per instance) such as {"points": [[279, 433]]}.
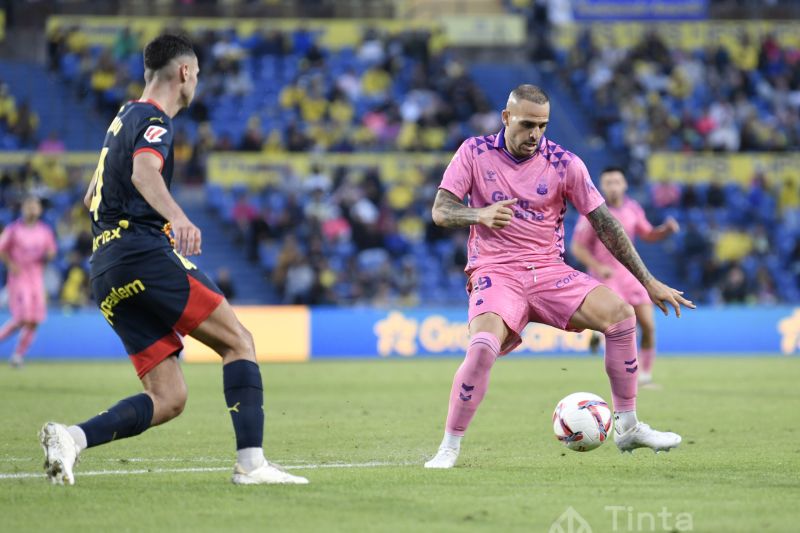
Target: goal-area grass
{"points": [[360, 431]]}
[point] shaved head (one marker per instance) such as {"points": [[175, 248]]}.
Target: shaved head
{"points": [[530, 93]]}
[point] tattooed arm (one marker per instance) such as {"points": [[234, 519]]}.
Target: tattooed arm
{"points": [[450, 212], [611, 234]]}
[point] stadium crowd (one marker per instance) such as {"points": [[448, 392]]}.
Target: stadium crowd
{"points": [[347, 235], [743, 98]]}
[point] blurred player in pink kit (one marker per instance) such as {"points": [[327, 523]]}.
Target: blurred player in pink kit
{"points": [[518, 183], [25, 246], [587, 248]]}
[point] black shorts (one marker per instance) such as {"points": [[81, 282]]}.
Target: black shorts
{"points": [[151, 300]]}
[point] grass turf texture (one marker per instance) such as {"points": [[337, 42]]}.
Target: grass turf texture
{"points": [[737, 469]]}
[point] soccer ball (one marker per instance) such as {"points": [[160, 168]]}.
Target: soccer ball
{"points": [[582, 421]]}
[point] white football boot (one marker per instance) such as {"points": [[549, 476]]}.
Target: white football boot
{"points": [[445, 458], [60, 453], [643, 436], [266, 474]]}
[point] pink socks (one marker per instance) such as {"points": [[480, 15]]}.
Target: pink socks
{"points": [[471, 382], [646, 358], [622, 364], [25, 339]]}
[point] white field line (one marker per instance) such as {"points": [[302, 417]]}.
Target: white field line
{"points": [[27, 475]]}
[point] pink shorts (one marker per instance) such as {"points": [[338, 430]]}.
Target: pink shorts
{"points": [[549, 295], [628, 287], [27, 303]]}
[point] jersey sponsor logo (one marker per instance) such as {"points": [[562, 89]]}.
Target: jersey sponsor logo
{"points": [[491, 175], [153, 134], [117, 295], [106, 237], [563, 282], [541, 189], [522, 209]]}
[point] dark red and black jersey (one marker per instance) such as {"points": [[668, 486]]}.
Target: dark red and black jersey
{"points": [[123, 223]]}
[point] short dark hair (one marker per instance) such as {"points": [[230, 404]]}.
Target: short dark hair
{"points": [[164, 48], [613, 168], [532, 93]]}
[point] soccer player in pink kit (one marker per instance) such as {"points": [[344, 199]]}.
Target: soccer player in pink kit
{"points": [[25, 246], [518, 183], [587, 248]]}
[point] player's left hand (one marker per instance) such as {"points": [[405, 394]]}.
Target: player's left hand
{"points": [[663, 295], [187, 237], [671, 225]]}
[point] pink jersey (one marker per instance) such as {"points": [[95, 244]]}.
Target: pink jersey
{"points": [[28, 246], [483, 169], [631, 215]]}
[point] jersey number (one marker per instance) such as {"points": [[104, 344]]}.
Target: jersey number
{"points": [[94, 206]]}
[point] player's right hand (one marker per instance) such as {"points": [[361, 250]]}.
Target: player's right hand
{"points": [[187, 237], [498, 215]]}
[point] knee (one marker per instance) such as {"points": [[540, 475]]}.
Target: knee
{"points": [[241, 347], [245, 344], [623, 311], [619, 311], [169, 403]]}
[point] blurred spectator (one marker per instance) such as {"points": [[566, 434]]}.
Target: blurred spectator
{"points": [[224, 281], [734, 287], [52, 144], [75, 288]]}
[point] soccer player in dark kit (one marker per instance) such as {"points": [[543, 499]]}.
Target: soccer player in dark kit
{"points": [[149, 292]]}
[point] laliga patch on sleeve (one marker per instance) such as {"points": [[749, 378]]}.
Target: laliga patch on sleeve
{"points": [[153, 134]]}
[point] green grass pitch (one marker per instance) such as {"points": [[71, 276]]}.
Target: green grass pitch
{"points": [[360, 430]]}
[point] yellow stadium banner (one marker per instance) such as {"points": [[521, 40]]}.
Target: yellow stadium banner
{"points": [[68, 159], [739, 168], [281, 335], [2, 24], [258, 170], [681, 35], [485, 30], [332, 33]]}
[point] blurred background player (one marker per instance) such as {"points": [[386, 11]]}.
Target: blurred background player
{"points": [[149, 292], [518, 183], [26, 245], [588, 249]]}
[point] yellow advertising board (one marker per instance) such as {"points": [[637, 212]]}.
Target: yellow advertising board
{"points": [[739, 168], [332, 33], [257, 170], [281, 334], [682, 35], [484, 30]]}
